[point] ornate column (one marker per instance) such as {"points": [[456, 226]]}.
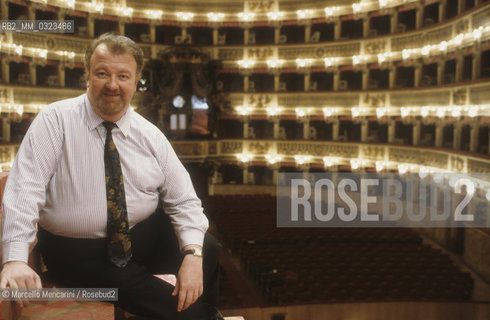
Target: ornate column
{"points": [[91, 25], [335, 130], [307, 32], [32, 74], [275, 132], [442, 10], [336, 30], [439, 132], [215, 35], [419, 15], [460, 6], [416, 127], [307, 81], [5, 70], [246, 35], [336, 79], [417, 74], [365, 78], [458, 125], [277, 33], [61, 75], [475, 72], [306, 127], [474, 128], [392, 76], [153, 32], [277, 80], [440, 72], [364, 129], [365, 26], [6, 129], [393, 20], [391, 130], [245, 128], [4, 6], [459, 66]]}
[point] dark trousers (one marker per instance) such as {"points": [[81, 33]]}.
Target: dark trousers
{"points": [[74, 262]]}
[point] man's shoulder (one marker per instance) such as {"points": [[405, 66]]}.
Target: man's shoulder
{"points": [[143, 125], [65, 106]]}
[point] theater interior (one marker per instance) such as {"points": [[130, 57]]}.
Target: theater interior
{"points": [[248, 91]]}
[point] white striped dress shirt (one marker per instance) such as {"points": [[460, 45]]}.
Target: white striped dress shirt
{"points": [[58, 179]]}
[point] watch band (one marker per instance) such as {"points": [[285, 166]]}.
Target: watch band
{"points": [[194, 251]]}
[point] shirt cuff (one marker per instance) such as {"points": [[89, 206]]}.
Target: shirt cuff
{"points": [[195, 237], [15, 251]]}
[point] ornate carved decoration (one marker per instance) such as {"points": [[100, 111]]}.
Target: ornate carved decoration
{"points": [[231, 147], [457, 164], [260, 53], [230, 54], [260, 6], [259, 101], [6, 154], [318, 149], [373, 152], [259, 147], [475, 166], [190, 148], [375, 100], [374, 47]]}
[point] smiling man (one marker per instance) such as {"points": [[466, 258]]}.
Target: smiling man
{"points": [[113, 203]]}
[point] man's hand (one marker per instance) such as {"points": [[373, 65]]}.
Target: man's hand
{"points": [[17, 274], [189, 284]]}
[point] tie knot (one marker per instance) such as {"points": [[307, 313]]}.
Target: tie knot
{"points": [[108, 125]]}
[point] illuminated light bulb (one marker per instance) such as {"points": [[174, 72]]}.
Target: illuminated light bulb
{"points": [[425, 111], [356, 7], [328, 162], [381, 57], [246, 16], [441, 112], [456, 112], [275, 15], [18, 49], [186, 16], [301, 63], [303, 14], [302, 159], [383, 3], [406, 54], [380, 112], [243, 110], [154, 14], [273, 158], [356, 59], [423, 172], [426, 50], [126, 11], [458, 39], [329, 62], [215, 16], [380, 165], [473, 112], [355, 164], [244, 157], [99, 7], [272, 111], [274, 63], [402, 168], [246, 63], [331, 11], [477, 33], [328, 112], [405, 112], [356, 112], [443, 46], [300, 112]]}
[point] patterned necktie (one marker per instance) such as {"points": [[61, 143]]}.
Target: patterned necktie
{"points": [[119, 244]]}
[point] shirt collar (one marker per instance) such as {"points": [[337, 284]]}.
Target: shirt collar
{"points": [[94, 120]]}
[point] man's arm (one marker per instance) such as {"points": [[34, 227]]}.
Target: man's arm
{"points": [[190, 224], [189, 285], [25, 195]]}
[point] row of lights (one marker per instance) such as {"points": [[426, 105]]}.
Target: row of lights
{"points": [[97, 6], [406, 54], [424, 111], [438, 175]]}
